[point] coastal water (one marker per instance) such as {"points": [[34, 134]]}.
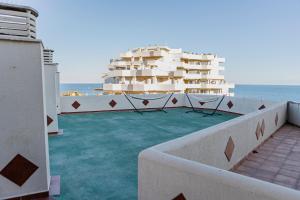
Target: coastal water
{"points": [[84, 88], [269, 92], [265, 92]]}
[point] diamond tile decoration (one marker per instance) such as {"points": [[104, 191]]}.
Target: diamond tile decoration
{"points": [[262, 128], [76, 104], [229, 149], [230, 104], [174, 100], [257, 132], [201, 103], [19, 170], [112, 103], [179, 197], [49, 120], [145, 102], [262, 107], [276, 119]]}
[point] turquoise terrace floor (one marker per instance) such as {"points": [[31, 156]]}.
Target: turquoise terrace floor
{"points": [[96, 156]]}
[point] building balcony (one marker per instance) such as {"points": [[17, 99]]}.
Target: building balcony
{"points": [[113, 87], [121, 73], [151, 72], [155, 87], [201, 66], [114, 64], [119, 63], [148, 54], [153, 63], [204, 76], [142, 54], [179, 73], [137, 73], [197, 56], [209, 86], [143, 87], [145, 72]]}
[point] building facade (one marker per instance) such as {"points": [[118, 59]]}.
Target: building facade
{"points": [[160, 69]]}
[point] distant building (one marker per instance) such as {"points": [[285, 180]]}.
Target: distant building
{"points": [[160, 69]]}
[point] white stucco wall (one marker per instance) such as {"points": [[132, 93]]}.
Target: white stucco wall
{"points": [[50, 79], [196, 165], [164, 176], [101, 103], [207, 146], [240, 105], [23, 117]]}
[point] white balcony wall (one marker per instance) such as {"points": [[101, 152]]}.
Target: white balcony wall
{"points": [[202, 76], [197, 56]]}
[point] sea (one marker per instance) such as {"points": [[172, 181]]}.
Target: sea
{"points": [[263, 92]]}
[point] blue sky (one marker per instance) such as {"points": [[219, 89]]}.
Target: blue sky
{"points": [[260, 39]]}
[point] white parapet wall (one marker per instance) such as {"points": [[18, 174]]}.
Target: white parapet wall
{"points": [[197, 167], [51, 85], [70, 104], [74, 104], [238, 105], [24, 158]]}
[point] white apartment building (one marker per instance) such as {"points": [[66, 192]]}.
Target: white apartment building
{"points": [[160, 69]]}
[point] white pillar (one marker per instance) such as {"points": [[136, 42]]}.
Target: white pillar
{"points": [[57, 86], [23, 125], [50, 91]]}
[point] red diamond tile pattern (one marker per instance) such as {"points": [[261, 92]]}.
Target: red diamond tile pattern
{"points": [[263, 127], [18, 170], [262, 107], [174, 100], [276, 119], [201, 103], [112, 103], [76, 104], [145, 102], [49, 120], [229, 149], [257, 132], [180, 197], [230, 104]]}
